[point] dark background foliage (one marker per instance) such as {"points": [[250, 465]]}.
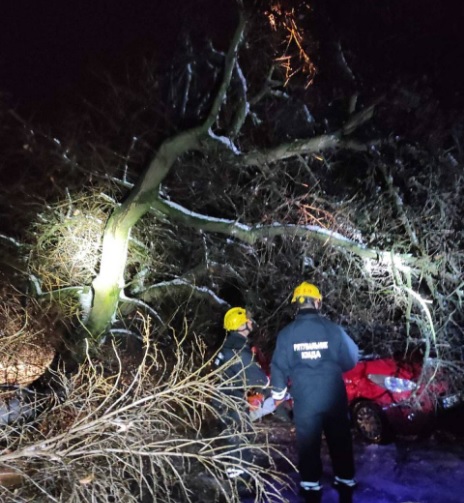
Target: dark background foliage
{"points": [[91, 89]]}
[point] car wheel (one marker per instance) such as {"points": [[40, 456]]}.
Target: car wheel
{"points": [[370, 422]]}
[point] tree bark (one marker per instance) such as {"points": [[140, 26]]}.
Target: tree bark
{"points": [[109, 282]]}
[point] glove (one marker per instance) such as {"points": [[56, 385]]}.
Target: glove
{"points": [[267, 407], [284, 399]]}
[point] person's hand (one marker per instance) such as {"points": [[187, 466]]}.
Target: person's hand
{"points": [[284, 399]]}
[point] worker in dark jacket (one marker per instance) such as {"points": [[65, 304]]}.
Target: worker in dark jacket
{"points": [[241, 372], [311, 355], [244, 372]]}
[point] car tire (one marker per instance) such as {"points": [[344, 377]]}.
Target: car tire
{"points": [[370, 422]]}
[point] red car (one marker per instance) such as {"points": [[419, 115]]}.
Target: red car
{"points": [[388, 397]]}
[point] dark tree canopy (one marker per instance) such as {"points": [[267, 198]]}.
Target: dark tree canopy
{"points": [[164, 161], [312, 74]]}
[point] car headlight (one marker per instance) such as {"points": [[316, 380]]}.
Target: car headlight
{"points": [[393, 384]]}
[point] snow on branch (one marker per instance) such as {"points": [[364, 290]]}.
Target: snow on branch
{"points": [[252, 234], [10, 241], [231, 59], [313, 145], [160, 288], [255, 233]]}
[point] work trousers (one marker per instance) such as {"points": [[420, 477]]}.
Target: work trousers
{"points": [[236, 434], [337, 429]]}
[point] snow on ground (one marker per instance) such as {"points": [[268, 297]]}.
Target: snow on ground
{"points": [[405, 471]]}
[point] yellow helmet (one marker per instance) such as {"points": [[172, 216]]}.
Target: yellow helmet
{"points": [[306, 290], [235, 318]]}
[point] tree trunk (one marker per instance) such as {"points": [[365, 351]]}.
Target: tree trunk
{"points": [[109, 283]]}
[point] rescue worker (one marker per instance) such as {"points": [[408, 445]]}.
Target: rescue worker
{"points": [[311, 355], [243, 372]]}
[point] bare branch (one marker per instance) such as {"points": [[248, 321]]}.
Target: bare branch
{"points": [[154, 291], [312, 145], [231, 58], [253, 234]]}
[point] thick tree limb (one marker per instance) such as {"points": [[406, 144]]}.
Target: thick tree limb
{"points": [[109, 282], [231, 58], [159, 289], [312, 145], [252, 234]]}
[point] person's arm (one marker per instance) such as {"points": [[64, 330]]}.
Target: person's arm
{"points": [[279, 371], [254, 374], [349, 352]]}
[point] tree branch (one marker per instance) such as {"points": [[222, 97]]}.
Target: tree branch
{"points": [[231, 58], [313, 145], [159, 289], [252, 234]]}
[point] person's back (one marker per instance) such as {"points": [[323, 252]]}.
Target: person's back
{"points": [[239, 365], [312, 349], [310, 356], [240, 373]]}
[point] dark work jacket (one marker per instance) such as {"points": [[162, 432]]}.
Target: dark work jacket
{"points": [[244, 372], [312, 353]]}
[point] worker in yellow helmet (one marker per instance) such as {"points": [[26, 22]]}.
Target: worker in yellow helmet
{"points": [[312, 353], [243, 370], [243, 373]]}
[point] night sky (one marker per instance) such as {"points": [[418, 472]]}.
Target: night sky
{"points": [[412, 38], [50, 50]]}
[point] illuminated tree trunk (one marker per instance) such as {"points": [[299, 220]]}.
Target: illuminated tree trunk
{"points": [[109, 283]]}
